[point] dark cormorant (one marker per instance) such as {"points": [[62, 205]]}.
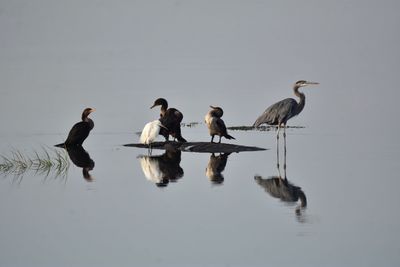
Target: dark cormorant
{"points": [[279, 113], [216, 125], [80, 131], [171, 118]]}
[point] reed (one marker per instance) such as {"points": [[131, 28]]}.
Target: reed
{"points": [[46, 161]]}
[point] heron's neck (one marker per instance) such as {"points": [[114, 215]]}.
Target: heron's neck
{"points": [[302, 97]]}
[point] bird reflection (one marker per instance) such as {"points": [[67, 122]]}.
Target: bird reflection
{"points": [[216, 165], [81, 158], [164, 168], [280, 187]]}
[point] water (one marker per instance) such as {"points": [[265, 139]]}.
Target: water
{"points": [[198, 54]]}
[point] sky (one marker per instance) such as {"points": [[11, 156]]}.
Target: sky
{"points": [[58, 57]]}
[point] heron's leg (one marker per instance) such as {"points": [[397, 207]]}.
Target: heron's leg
{"points": [[212, 138]]}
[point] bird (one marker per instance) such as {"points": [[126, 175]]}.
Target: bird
{"points": [[171, 118], [80, 131], [215, 124], [150, 132], [279, 113]]}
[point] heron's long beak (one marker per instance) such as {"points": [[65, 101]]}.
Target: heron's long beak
{"points": [[312, 83]]}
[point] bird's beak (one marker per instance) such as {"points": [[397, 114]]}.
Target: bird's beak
{"points": [[153, 106], [212, 107], [312, 83], [163, 127], [92, 110]]}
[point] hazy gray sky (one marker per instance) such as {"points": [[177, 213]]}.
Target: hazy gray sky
{"points": [[61, 56]]}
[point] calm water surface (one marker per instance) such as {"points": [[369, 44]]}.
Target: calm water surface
{"points": [[121, 217]]}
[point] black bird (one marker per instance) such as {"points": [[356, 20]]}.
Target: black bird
{"points": [[171, 118], [215, 124], [279, 113], [80, 131], [81, 158]]}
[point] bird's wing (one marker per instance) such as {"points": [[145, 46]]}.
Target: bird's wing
{"points": [[79, 130], [145, 133], [171, 119], [221, 125], [278, 112], [174, 113]]}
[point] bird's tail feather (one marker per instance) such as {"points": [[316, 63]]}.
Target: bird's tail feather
{"points": [[60, 145], [181, 139], [227, 136]]}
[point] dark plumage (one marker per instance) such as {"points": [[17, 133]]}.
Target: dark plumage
{"points": [[215, 124], [80, 131], [171, 118], [279, 113]]}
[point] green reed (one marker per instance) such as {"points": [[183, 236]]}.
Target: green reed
{"points": [[46, 161]]}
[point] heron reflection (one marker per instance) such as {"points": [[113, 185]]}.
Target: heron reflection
{"points": [[81, 158], [164, 168], [216, 165], [280, 187]]}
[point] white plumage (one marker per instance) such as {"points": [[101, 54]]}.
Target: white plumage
{"points": [[150, 132]]}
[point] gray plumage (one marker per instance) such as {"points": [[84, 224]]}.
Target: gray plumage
{"points": [[280, 112]]}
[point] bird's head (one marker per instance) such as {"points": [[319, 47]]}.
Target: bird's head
{"points": [[217, 111], [303, 83], [86, 112], [160, 102]]}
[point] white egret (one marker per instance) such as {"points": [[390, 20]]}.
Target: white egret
{"points": [[150, 132]]}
